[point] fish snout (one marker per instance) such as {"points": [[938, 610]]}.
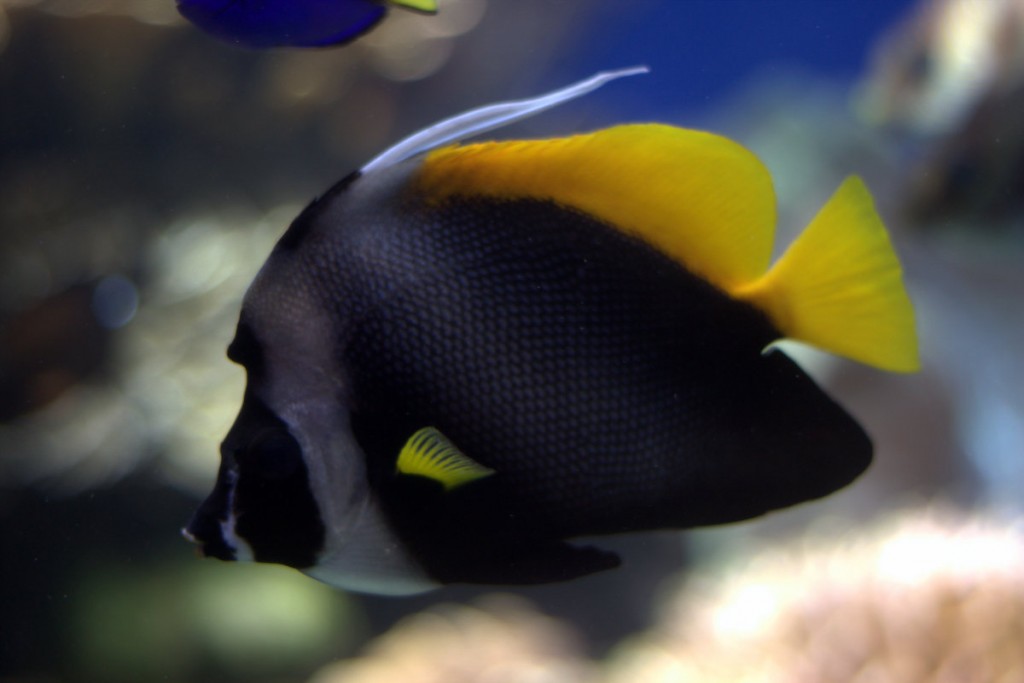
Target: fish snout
{"points": [[206, 530], [208, 545]]}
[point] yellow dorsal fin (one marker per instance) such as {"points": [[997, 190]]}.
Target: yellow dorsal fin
{"points": [[839, 286], [704, 200], [429, 453]]}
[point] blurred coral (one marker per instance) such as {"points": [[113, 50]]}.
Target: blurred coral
{"points": [[929, 72], [171, 392], [952, 76], [500, 640], [930, 596]]}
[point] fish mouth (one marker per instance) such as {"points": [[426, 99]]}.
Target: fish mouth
{"points": [[206, 528], [205, 531], [209, 546]]}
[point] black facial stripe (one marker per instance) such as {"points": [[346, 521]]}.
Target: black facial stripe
{"points": [[279, 518], [276, 513], [273, 455]]}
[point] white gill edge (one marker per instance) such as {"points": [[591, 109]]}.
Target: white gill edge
{"points": [[489, 117]]}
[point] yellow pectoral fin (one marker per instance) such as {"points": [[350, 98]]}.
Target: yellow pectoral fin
{"points": [[428, 453], [840, 286], [705, 201], [428, 6]]}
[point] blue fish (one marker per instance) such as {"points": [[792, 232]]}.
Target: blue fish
{"points": [[292, 23]]}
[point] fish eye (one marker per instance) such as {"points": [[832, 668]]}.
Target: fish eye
{"points": [[272, 454]]}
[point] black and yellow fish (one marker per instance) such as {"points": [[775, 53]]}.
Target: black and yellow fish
{"points": [[462, 356]]}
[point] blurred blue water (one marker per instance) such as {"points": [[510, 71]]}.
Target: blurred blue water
{"points": [[701, 50]]}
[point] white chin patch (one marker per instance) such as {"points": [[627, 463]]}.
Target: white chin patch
{"points": [[369, 558], [383, 584], [243, 551]]}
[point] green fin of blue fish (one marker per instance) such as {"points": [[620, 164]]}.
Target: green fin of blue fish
{"points": [[708, 203], [429, 453], [427, 6], [292, 23]]}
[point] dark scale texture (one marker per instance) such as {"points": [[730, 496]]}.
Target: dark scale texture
{"points": [[610, 389]]}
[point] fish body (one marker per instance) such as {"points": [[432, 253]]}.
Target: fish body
{"points": [[464, 358], [292, 23]]}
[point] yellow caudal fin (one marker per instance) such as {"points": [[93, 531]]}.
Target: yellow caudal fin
{"points": [[840, 287]]}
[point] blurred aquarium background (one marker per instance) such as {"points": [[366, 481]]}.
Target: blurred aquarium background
{"points": [[146, 169]]}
